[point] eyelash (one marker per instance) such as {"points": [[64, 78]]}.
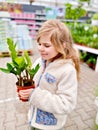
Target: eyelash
{"points": [[47, 46], [44, 45]]}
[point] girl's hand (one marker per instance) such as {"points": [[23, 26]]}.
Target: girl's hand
{"points": [[24, 94]]}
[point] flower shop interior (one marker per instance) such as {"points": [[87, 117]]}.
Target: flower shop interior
{"points": [[21, 20]]}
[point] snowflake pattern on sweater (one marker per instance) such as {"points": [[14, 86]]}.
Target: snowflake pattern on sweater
{"points": [[49, 78], [45, 118]]}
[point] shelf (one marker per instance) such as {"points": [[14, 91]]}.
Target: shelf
{"points": [[70, 20], [90, 50], [4, 14], [21, 24]]}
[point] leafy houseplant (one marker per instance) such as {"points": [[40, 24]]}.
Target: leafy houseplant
{"points": [[21, 67]]}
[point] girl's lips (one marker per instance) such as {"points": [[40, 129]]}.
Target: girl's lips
{"points": [[43, 54]]}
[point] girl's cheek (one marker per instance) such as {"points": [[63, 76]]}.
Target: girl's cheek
{"points": [[39, 48]]}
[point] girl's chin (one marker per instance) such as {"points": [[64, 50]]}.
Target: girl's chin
{"points": [[44, 58]]}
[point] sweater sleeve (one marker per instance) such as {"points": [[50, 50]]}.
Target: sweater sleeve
{"points": [[65, 98]]}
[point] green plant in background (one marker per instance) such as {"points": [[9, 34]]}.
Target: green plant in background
{"points": [[95, 29], [91, 62], [88, 58], [87, 1], [95, 16], [83, 56], [84, 34], [84, 0], [95, 37], [94, 20], [21, 66], [74, 13]]}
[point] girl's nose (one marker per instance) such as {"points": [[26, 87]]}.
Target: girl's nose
{"points": [[41, 48]]}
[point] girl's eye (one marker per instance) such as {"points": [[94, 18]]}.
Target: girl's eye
{"points": [[47, 46], [44, 44], [39, 44]]}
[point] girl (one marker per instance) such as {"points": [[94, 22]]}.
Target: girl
{"points": [[56, 82]]}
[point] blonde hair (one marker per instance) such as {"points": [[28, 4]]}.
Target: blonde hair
{"points": [[60, 35]]}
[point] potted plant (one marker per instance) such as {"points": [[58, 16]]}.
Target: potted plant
{"points": [[91, 62], [21, 67]]}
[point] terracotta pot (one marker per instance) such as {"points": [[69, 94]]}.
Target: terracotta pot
{"points": [[92, 66], [23, 88]]}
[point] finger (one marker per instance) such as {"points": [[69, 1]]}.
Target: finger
{"points": [[26, 91]]}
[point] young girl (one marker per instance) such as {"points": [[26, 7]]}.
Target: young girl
{"points": [[56, 82]]}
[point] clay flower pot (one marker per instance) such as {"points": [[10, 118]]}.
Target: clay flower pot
{"points": [[23, 88]]}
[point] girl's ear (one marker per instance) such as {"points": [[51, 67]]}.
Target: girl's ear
{"points": [[64, 45]]}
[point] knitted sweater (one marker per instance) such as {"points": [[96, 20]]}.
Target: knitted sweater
{"points": [[55, 95]]}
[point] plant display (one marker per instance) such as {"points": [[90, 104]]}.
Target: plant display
{"points": [[84, 0], [95, 16], [83, 56], [95, 29], [94, 19], [74, 13], [21, 66], [84, 34], [89, 59]]}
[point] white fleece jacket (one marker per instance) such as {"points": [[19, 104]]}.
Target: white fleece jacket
{"points": [[55, 95]]}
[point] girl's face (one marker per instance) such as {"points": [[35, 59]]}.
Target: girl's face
{"points": [[46, 48]]}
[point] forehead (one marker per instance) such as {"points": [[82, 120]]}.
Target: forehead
{"points": [[45, 38]]}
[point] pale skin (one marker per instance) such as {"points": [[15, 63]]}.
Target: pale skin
{"points": [[47, 51]]}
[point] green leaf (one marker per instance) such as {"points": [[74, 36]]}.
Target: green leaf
{"points": [[37, 67], [34, 70], [27, 58], [12, 48], [11, 68], [20, 63], [4, 70]]}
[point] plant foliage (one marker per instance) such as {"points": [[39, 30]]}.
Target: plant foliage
{"points": [[21, 67]]}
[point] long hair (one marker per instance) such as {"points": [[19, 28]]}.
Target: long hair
{"points": [[60, 34]]}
